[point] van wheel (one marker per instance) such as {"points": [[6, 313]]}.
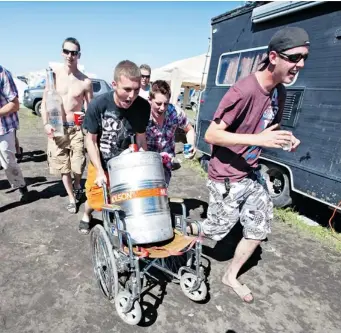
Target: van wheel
{"points": [[37, 108], [278, 184]]}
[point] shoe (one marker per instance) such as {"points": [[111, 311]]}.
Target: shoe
{"points": [[78, 193], [19, 156], [23, 193]]}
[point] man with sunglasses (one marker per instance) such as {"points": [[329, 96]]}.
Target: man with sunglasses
{"points": [[66, 154], [145, 79], [247, 119]]}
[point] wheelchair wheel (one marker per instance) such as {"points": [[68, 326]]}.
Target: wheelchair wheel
{"points": [[187, 281], [134, 315], [104, 262]]}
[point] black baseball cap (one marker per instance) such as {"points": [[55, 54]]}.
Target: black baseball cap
{"points": [[285, 39], [288, 38]]}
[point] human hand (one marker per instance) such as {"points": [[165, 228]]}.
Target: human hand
{"points": [[191, 154], [49, 130], [272, 138], [101, 178], [166, 158], [295, 143]]}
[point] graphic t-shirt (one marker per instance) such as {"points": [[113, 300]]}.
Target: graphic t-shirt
{"points": [[247, 109], [114, 125]]}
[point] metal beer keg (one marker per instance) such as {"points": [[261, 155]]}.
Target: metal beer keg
{"points": [[138, 186]]}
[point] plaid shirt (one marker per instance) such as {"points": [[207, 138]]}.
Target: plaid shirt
{"points": [[8, 92], [162, 139]]}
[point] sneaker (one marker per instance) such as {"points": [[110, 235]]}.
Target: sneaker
{"points": [[23, 193]]}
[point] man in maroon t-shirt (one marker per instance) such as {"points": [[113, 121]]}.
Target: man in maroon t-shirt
{"points": [[246, 120]]}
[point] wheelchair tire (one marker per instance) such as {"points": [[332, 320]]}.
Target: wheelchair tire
{"points": [[186, 282], [104, 262], [134, 315]]}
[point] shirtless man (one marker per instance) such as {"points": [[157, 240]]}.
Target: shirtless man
{"points": [[66, 154]]}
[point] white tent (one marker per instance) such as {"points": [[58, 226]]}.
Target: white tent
{"points": [[187, 73]]}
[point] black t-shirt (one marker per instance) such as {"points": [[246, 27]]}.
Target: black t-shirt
{"points": [[115, 125]]}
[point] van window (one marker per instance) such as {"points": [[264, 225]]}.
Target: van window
{"points": [[236, 65], [96, 86]]}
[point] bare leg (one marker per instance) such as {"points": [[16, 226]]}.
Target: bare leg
{"points": [[77, 183], [66, 178], [84, 227], [243, 252], [87, 212]]}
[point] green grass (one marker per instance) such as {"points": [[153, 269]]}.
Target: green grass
{"points": [[287, 216], [326, 236], [194, 164]]}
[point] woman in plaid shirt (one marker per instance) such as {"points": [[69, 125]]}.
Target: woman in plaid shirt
{"points": [[165, 119]]}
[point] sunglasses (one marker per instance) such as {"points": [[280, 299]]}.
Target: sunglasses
{"points": [[145, 76], [73, 53], [297, 57]]}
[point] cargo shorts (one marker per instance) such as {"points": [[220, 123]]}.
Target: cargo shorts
{"points": [[66, 153], [248, 201]]}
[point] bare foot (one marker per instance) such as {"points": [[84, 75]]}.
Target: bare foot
{"points": [[240, 289]]}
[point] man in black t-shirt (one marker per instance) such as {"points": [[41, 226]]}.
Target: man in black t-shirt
{"points": [[110, 120]]}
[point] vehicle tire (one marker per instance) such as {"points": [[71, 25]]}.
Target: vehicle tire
{"points": [[278, 184], [37, 108]]}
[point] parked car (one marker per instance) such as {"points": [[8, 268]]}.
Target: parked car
{"points": [[33, 96], [313, 104]]}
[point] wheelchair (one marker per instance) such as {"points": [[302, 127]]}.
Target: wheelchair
{"points": [[121, 268]]}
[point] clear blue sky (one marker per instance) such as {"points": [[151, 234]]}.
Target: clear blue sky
{"points": [[156, 33]]}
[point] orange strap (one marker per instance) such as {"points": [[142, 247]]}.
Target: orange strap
{"points": [[143, 193]]}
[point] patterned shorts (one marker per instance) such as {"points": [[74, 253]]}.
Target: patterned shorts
{"points": [[247, 201]]}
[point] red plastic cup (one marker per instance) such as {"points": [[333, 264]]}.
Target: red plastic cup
{"points": [[78, 118], [133, 147]]}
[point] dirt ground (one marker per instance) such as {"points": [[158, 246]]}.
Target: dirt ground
{"points": [[47, 282]]}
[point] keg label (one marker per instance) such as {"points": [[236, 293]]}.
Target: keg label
{"points": [[144, 193]]}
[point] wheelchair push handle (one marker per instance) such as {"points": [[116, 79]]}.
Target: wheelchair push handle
{"points": [[105, 192]]}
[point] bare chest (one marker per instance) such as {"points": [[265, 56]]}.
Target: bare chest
{"points": [[69, 87]]}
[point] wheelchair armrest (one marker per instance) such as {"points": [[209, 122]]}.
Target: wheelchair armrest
{"points": [[176, 200], [111, 207]]}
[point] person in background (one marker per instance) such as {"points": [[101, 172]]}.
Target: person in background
{"points": [[66, 154], [165, 119], [112, 118], [247, 119], [9, 124], [145, 79]]}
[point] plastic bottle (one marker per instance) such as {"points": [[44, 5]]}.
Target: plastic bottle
{"points": [[54, 105]]}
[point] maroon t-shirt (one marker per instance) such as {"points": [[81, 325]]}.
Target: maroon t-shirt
{"points": [[247, 109]]}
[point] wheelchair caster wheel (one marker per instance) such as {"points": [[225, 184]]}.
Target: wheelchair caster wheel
{"points": [[134, 314], [186, 283]]}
